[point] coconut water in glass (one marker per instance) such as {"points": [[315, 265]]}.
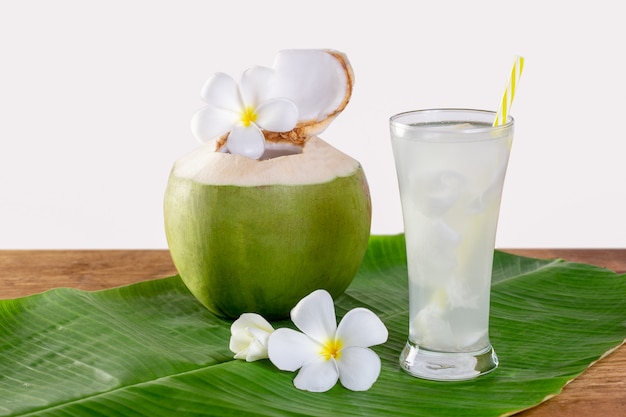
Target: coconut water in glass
{"points": [[451, 165]]}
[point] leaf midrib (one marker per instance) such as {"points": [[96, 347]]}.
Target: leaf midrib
{"points": [[544, 266], [122, 388]]}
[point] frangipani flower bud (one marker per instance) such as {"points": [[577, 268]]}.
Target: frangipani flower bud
{"points": [[249, 336]]}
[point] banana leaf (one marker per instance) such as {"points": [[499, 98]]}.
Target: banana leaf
{"points": [[150, 349]]}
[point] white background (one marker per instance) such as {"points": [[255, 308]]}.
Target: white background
{"points": [[96, 99]]}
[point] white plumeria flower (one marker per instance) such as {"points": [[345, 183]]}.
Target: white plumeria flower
{"points": [[243, 112], [249, 336], [325, 352]]}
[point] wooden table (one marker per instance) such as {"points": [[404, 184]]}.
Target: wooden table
{"points": [[600, 391]]}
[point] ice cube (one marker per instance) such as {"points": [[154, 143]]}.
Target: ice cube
{"points": [[436, 192], [488, 182], [437, 326], [462, 293], [434, 247], [441, 243], [430, 329]]}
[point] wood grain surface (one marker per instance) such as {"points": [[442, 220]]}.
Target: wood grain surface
{"points": [[600, 391]]}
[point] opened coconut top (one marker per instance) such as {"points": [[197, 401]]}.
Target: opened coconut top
{"points": [[318, 162], [286, 104]]}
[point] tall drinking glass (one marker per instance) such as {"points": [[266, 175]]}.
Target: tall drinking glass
{"points": [[451, 165]]}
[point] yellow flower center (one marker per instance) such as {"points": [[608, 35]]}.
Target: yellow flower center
{"points": [[248, 116], [331, 349]]}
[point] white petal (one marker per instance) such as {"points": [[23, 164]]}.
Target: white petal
{"points": [[319, 375], [210, 123], [256, 85], [314, 79], [246, 141], [260, 335], [256, 350], [242, 354], [359, 368], [252, 320], [315, 316], [361, 327], [239, 341], [289, 350], [221, 91], [277, 115], [249, 335]]}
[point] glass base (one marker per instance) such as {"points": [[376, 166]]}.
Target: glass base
{"points": [[447, 366]]}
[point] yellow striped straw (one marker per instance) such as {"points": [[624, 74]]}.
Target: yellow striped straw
{"points": [[509, 93]]}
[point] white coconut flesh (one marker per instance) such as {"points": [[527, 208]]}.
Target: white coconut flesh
{"points": [[317, 162], [319, 82]]}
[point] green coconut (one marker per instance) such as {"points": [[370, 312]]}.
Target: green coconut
{"points": [[261, 241], [256, 225]]}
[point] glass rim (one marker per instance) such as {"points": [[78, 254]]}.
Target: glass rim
{"points": [[394, 122]]}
